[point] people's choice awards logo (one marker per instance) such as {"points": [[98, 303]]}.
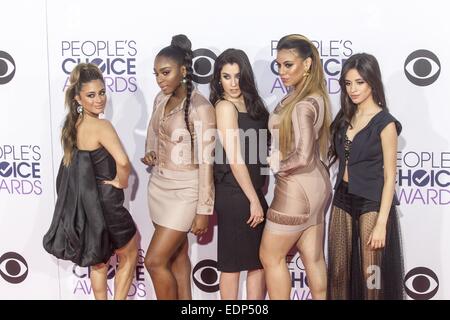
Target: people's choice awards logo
{"points": [[205, 276], [20, 169], [7, 67], [115, 58], [333, 54], [422, 67], [13, 267], [203, 65], [421, 283], [423, 177]]}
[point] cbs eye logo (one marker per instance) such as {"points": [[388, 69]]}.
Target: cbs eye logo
{"points": [[421, 283], [7, 67], [13, 267], [422, 67], [205, 276], [203, 65]]}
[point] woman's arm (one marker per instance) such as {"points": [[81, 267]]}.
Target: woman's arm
{"points": [[303, 119], [389, 145], [227, 125], [109, 139], [151, 142], [204, 115]]}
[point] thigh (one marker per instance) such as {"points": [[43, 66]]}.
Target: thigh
{"points": [[339, 236], [278, 245], [165, 243], [310, 244], [370, 259]]}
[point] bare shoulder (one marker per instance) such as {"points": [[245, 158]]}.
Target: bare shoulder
{"points": [[105, 126], [225, 106]]}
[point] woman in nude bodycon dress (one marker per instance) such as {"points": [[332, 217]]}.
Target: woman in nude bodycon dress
{"points": [[300, 123]]}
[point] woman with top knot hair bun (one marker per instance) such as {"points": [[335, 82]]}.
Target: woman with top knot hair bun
{"points": [[180, 149]]}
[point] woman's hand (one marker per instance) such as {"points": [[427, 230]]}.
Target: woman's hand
{"points": [[200, 224], [149, 159], [377, 239], [115, 183], [256, 213]]}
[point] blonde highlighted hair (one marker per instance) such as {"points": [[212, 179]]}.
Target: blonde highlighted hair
{"points": [[314, 82]]}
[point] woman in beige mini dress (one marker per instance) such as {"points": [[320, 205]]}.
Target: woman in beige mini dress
{"points": [[302, 191], [180, 148]]}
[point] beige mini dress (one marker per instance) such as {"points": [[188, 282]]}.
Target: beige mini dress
{"points": [[302, 186]]}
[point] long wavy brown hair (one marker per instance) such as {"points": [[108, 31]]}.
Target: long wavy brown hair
{"points": [[369, 69], [81, 74], [314, 82]]}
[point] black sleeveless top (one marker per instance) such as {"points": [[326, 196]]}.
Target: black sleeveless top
{"points": [[364, 157], [254, 140]]}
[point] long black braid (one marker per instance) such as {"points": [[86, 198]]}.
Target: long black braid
{"points": [[189, 89]]}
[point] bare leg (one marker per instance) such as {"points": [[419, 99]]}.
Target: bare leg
{"points": [[229, 285], [310, 246], [181, 269], [99, 274], [256, 285], [165, 242], [127, 256], [273, 251], [371, 259], [339, 254]]}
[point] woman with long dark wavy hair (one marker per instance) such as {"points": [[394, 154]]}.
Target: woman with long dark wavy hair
{"points": [[364, 244], [179, 148], [238, 173]]}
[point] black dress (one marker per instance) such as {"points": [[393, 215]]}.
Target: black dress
{"points": [[89, 221], [238, 243]]}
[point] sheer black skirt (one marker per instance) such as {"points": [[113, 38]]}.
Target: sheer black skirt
{"points": [[354, 270]]}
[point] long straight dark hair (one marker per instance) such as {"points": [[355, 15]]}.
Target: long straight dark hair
{"points": [[253, 102], [368, 68]]}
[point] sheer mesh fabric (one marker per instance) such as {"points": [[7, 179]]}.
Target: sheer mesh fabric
{"points": [[354, 270], [339, 253]]}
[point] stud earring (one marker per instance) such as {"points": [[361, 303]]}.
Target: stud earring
{"points": [[184, 80], [80, 109]]}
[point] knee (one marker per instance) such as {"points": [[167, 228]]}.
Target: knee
{"points": [[153, 263], [128, 257], [312, 258], [269, 259], [100, 268], [182, 258]]}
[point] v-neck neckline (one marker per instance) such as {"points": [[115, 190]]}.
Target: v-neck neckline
{"points": [[364, 128]]}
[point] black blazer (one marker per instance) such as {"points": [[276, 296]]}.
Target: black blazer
{"points": [[365, 163]]}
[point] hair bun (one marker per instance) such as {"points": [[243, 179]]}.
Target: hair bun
{"points": [[181, 41]]}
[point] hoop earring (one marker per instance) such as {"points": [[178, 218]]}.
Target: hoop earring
{"points": [[80, 109]]}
